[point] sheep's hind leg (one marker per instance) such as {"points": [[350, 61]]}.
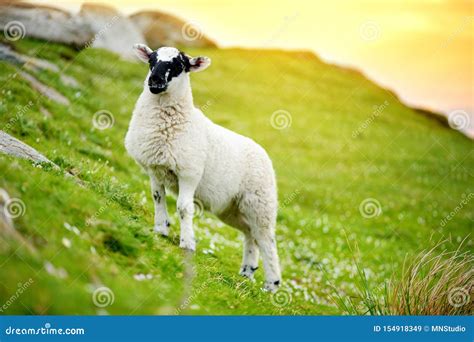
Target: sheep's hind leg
{"points": [[260, 214], [250, 256], [265, 238], [158, 192]]}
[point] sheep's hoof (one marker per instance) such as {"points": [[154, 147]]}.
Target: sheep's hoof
{"points": [[247, 271], [271, 286], [162, 228], [189, 245]]}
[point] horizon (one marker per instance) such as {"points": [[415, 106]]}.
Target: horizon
{"points": [[433, 39]]}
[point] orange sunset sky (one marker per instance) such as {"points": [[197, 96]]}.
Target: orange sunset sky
{"points": [[421, 49]]}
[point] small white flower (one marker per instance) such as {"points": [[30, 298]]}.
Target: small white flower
{"points": [[66, 242]]}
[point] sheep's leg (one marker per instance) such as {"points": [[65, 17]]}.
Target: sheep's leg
{"points": [[250, 256], [185, 206], [158, 192], [266, 242]]}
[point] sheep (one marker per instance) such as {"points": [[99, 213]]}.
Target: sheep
{"points": [[184, 152]]}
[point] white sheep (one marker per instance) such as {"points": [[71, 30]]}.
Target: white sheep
{"points": [[185, 152]]}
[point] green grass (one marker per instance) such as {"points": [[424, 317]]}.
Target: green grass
{"points": [[326, 165]]}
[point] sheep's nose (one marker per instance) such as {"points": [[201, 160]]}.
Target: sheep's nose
{"points": [[156, 88]]}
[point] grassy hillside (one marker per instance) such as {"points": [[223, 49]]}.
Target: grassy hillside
{"points": [[348, 141]]}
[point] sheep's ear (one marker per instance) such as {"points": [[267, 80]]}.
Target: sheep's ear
{"points": [[199, 63], [143, 52]]}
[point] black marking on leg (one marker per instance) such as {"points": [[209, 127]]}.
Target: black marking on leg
{"points": [[157, 196], [276, 283], [167, 223], [253, 269], [181, 214]]}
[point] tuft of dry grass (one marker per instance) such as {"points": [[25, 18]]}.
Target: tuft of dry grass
{"points": [[434, 282]]}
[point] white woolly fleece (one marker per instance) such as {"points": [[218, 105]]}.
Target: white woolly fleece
{"points": [[227, 173]]}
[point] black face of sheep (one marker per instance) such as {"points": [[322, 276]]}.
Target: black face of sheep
{"points": [[162, 72], [166, 64]]}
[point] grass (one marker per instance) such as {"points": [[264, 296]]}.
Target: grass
{"points": [[349, 141], [434, 282]]}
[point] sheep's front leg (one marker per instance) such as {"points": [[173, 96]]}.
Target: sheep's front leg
{"points": [[185, 206], [162, 222]]}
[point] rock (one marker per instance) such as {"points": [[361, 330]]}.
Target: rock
{"points": [[31, 63], [14, 147], [8, 209], [113, 31], [45, 112], [19, 19], [163, 29], [44, 89], [35, 64], [98, 26], [69, 81]]}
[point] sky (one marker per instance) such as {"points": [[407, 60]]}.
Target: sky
{"points": [[421, 49]]}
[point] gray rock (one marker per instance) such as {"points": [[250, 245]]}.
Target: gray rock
{"points": [[44, 89], [14, 147], [112, 31], [7, 228], [162, 29], [20, 20]]}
